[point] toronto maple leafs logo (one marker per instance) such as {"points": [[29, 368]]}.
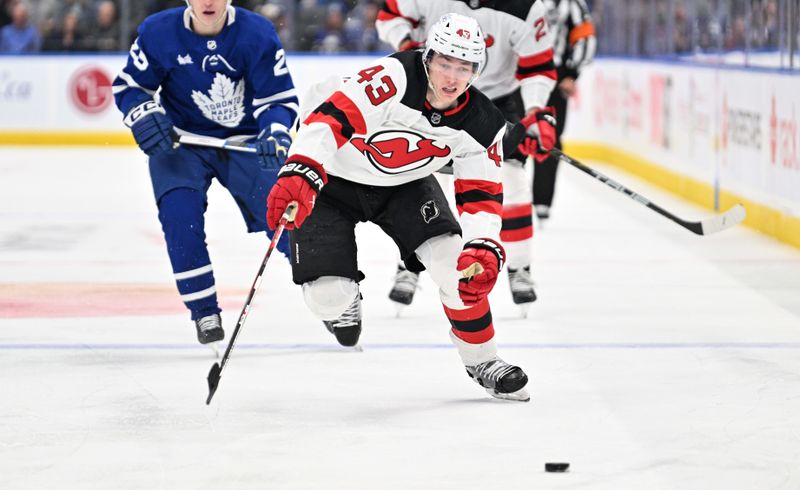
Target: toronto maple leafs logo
{"points": [[224, 103]]}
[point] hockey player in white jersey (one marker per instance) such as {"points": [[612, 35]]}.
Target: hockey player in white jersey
{"points": [[574, 45], [212, 70], [367, 153], [518, 77]]}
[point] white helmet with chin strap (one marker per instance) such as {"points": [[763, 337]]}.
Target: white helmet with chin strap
{"points": [[457, 36]]}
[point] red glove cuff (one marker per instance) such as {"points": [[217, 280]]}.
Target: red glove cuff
{"points": [[540, 127], [490, 245], [300, 180], [306, 168], [409, 44]]}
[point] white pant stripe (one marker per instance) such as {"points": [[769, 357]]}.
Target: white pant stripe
{"points": [[179, 276], [199, 294]]}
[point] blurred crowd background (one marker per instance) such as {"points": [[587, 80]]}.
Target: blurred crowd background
{"points": [[657, 27], [624, 27], [110, 25]]}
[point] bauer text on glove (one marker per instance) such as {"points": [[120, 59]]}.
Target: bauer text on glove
{"points": [[298, 181]]}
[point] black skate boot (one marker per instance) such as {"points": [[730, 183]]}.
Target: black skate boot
{"points": [[542, 211], [347, 328], [501, 380], [519, 280], [542, 214], [209, 329], [405, 285]]}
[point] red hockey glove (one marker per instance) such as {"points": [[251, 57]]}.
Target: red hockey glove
{"points": [[540, 133], [490, 255], [297, 181], [409, 44]]}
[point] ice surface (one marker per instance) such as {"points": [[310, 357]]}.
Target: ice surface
{"points": [[659, 359]]}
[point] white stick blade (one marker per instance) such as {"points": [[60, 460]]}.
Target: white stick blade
{"points": [[728, 219]]}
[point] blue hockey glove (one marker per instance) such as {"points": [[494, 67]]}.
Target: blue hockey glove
{"points": [[151, 128], [272, 148]]}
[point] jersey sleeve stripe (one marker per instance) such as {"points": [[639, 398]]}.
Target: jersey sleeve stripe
{"points": [[336, 126], [540, 64], [286, 94], [342, 115], [537, 59], [581, 31], [131, 83], [291, 106], [549, 72], [391, 11]]}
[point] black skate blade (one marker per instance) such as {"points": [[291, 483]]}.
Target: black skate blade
{"points": [[213, 381]]}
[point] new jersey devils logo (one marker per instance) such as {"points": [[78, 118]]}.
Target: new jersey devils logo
{"points": [[429, 211], [396, 152]]}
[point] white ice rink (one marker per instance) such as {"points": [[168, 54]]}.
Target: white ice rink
{"points": [[658, 359]]}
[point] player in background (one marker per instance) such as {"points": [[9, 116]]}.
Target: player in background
{"points": [[518, 77], [574, 47], [213, 70], [367, 153]]}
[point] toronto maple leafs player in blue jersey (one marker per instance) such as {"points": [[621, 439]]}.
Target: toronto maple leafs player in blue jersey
{"points": [[209, 69]]}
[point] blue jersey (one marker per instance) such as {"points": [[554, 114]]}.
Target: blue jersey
{"points": [[233, 84]]}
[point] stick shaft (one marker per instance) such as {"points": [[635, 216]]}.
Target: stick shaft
{"points": [[624, 190], [288, 216], [209, 142], [715, 224], [733, 216]]}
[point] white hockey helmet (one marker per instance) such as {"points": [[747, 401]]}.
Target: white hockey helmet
{"points": [[458, 36]]}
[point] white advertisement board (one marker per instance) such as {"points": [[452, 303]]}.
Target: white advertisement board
{"points": [[733, 129], [73, 93]]}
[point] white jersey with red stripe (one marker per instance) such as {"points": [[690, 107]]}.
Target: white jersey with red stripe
{"points": [[376, 128], [519, 46]]}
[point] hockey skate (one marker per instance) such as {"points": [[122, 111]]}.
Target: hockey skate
{"points": [[501, 380], [522, 293], [405, 285], [209, 331], [542, 213], [347, 328]]}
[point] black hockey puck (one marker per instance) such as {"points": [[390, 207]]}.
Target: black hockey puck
{"points": [[556, 467]]}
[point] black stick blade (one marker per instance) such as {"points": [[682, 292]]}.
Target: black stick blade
{"points": [[213, 381]]}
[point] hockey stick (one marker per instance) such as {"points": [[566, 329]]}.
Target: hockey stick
{"points": [[209, 142], [730, 218], [215, 373], [714, 224]]}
